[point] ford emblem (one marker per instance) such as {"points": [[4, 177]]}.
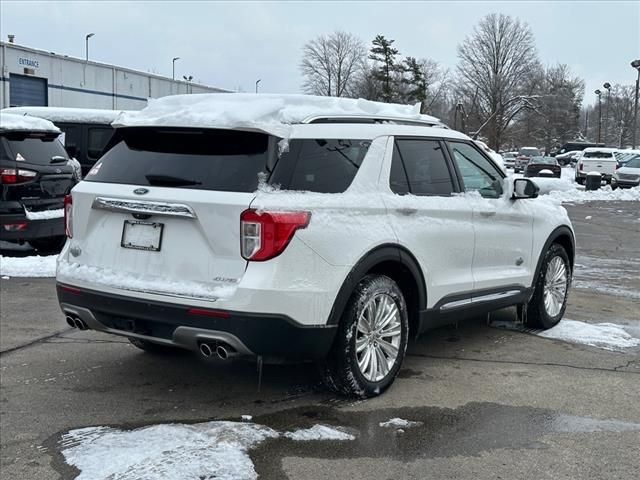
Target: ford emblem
{"points": [[141, 191]]}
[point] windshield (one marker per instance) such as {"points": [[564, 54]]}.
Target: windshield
{"points": [[633, 163], [597, 154], [549, 160], [530, 151], [39, 150]]}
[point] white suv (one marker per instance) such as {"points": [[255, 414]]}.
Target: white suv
{"points": [[331, 230]]}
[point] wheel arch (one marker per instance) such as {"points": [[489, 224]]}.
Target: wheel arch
{"points": [[562, 235], [397, 263]]}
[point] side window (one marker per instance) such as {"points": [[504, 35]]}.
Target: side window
{"points": [[398, 180], [97, 138], [72, 135], [424, 165], [478, 173], [319, 165]]}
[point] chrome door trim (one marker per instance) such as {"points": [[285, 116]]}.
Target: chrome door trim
{"points": [[482, 298]]}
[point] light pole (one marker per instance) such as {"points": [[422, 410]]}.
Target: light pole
{"points": [[173, 67], [257, 82], [86, 45], [607, 85], [599, 94], [635, 64]]}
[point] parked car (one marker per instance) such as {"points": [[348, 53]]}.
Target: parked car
{"points": [[568, 158], [86, 131], [537, 166], [575, 147], [627, 176], [35, 176], [509, 159], [327, 237], [596, 159], [623, 156], [524, 155]]}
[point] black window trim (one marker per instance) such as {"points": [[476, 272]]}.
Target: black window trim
{"points": [[453, 173], [449, 141]]}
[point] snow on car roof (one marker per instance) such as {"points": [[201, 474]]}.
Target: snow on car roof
{"points": [[65, 114], [13, 122], [270, 113], [601, 149]]}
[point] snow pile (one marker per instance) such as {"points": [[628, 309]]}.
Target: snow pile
{"points": [[554, 184], [65, 114], [602, 195], [45, 215], [28, 266], [269, 113], [399, 423], [204, 450], [104, 277], [207, 450], [608, 336], [319, 432], [13, 122]]}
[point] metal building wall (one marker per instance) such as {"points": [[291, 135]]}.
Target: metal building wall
{"points": [[73, 82]]}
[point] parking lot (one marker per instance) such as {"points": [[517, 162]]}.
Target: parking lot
{"points": [[488, 400]]}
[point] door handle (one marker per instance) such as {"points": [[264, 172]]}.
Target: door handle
{"points": [[407, 211], [487, 214]]}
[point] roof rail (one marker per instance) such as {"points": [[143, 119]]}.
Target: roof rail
{"points": [[425, 122]]}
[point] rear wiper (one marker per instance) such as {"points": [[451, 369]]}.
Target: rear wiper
{"points": [[58, 159], [169, 181]]}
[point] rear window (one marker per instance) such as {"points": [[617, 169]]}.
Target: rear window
{"points": [[36, 150], [227, 160], [597, 154], [534, 152]]}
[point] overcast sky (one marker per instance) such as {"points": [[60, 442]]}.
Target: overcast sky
{"points": [[232, 44]]}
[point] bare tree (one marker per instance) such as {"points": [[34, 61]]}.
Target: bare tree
{"points": [[331, 64], [495, 64]]}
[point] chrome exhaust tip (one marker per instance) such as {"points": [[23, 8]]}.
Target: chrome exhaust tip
{"points": [[222, 352], [206, 350], [80, 324], [70, 321]]}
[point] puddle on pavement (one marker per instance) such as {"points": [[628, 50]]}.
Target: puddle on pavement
{"points": [[468, 430], [441, 432]]}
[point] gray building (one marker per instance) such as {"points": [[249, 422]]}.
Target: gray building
{"points": [[32, 77]]}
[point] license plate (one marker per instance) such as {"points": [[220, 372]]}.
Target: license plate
{"points": [[142, 235]]}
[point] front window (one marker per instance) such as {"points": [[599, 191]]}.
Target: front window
{"points": [[478, 173]]}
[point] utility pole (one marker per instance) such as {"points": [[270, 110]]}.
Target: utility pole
{"points": [[173, 64], [257, 82], [635, 64], [86, 45], [607, 85], [599, 94]]}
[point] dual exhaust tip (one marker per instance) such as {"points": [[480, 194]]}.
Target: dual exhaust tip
{"points": [[76, 322], [218, 350]]}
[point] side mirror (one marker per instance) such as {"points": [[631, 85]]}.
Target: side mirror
{"points": [[524, 188], [72, 149]]}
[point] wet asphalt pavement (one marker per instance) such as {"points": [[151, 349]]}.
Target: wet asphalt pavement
{"points": [[490, 402]]}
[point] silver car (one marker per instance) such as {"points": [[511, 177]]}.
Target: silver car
{"points": [[627, 176]]}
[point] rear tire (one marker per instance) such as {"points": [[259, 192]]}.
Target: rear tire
{"points": [[48, 246], [154, 348], [371, 340], [549, 301]]}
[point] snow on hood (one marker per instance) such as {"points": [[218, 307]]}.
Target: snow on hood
{"points": [[269, 113], [13, 122], [64, 114]]}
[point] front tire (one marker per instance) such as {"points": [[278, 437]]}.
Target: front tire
{"points": [[371, 340], [549, 300]]}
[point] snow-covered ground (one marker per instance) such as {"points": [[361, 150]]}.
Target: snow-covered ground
{"points": [[177, 451], [608, 336], [28, 266]]}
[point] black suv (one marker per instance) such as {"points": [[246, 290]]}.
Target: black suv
{"points": [[35, 176]]}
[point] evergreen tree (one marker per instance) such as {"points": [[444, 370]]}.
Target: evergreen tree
{"points": [[383, 52]]}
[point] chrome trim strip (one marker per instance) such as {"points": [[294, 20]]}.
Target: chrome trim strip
{"points": [[483, 298], [405, 120], [146, 207]]}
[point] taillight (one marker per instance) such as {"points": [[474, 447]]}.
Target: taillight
{"points": [[265, 235], [68, 216], [580, 165], [16, 176]]}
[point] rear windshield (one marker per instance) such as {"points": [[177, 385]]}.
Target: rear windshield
{"points": [[530, 151], [227, 160], [597, 155], [38, 150]]}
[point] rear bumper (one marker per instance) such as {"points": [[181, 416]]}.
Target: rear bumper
{"points": [[583, 174], [181, 326], [32, 229], [624, 183]]}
